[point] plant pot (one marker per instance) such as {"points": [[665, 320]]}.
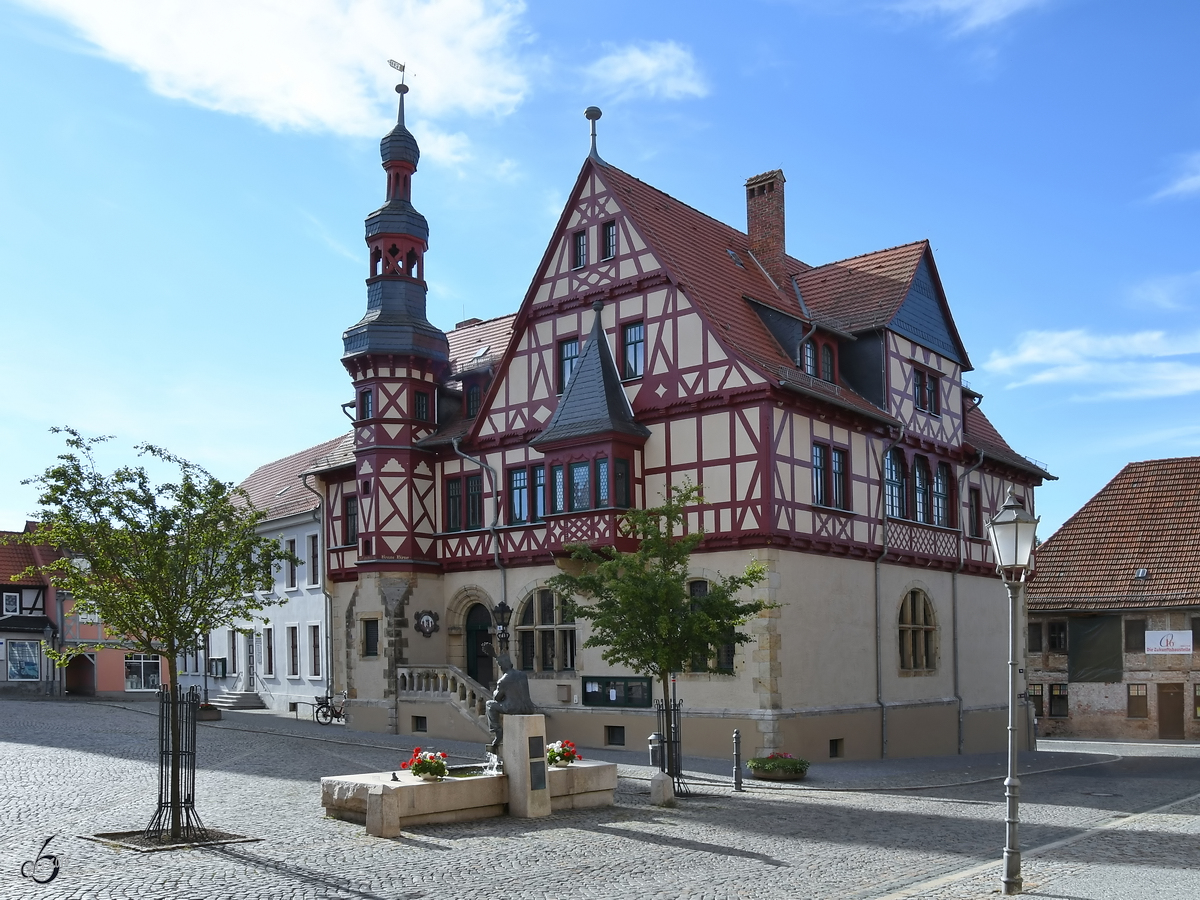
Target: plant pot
{"points": [[562, 763], [429, 777], [208, 715], [777, 776]]}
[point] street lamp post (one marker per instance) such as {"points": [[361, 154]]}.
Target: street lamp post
{"points": [[502, 613], [1013, 531], [48, 635]]}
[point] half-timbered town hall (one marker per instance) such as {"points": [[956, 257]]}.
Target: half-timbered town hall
{"points": [[821, 407]]}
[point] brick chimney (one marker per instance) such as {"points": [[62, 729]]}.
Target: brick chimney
{"points": [[764, 220]]}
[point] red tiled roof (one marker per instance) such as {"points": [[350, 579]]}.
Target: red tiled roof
{"points": [[980, 434], [864, 291], [276, 487], [1147, 517], [16, 558], [479, 343]]}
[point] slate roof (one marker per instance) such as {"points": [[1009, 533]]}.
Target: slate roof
{"points": [[1147, 517], [276, 487], [593, 402], [980, 434]]}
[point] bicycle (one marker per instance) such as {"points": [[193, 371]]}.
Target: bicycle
{"points": [[327, 709]]}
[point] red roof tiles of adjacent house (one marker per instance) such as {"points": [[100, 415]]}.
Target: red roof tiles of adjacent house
{"points": [[1147, 517], [276, 487], [14, 559], [474, 343]]}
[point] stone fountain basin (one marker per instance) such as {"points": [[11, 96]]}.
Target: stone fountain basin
{"points": [[386, 807]]}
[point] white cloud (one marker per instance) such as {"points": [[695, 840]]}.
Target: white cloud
{"points": [[968, 15], [1186, 182], [315, 65], [1140, 365], [662, 69], [1166, 292]]}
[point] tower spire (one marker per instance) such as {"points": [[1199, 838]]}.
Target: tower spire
{"points": [[592, 113]]}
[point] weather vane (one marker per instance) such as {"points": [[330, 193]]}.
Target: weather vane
{"points": [[399, 67]]}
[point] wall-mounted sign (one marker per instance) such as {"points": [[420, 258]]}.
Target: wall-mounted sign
{"points": [[1162, 642], [426, 622], [12, 603]]}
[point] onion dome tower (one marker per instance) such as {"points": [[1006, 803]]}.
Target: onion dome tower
{"points": [[396, 359]]}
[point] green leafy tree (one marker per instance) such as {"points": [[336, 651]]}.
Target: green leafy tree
{"points": [[641, 611], [161, 565]]}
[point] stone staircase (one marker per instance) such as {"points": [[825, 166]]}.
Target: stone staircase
{"points": [[237, 700], [446, 684]]}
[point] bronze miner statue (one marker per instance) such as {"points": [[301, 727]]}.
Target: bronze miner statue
{"points": [[511, 697]]}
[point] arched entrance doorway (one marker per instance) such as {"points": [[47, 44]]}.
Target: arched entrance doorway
{"points": [[479, 624], [81, 676]]}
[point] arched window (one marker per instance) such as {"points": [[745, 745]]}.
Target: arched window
{"points": [[545, 634], [827, 363], [941, 496], [921, 490], [895, 499], [918, 633], [809, 353]]}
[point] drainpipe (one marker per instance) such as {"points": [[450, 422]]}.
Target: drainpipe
{"points": [[883, 734], [320, 517], [962, 537], [494, 527]]}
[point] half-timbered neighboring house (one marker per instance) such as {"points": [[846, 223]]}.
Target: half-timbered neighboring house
{"points": [[822, 409], [1114, 610]]}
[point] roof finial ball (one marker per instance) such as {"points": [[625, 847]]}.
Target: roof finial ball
{"points": [[592, 113]]}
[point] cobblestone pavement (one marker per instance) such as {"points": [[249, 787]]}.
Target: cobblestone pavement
{"points": [[928, 828]]}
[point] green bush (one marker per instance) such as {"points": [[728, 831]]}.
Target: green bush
{"points": [[778, 762]]}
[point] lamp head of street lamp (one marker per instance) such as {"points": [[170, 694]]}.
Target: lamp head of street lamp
{"points": [[502, 613], [1013, 531]]}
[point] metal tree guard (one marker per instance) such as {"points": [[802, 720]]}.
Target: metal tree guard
{"points": [[671, 760], [191, 828]]}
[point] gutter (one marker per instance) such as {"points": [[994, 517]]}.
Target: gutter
{"points": [[320, 517], [962, 537], [494, 527], [883, 732]]}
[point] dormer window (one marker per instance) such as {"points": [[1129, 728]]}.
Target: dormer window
{"points": [[827, 363], [366, 406], [808, 354], [474, 398], [925, 392]]}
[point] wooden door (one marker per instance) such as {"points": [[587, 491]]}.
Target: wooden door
{"points": [[479, 623], [1170, 712]]}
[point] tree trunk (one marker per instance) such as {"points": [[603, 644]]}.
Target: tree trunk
{"points": [[176, 729]]}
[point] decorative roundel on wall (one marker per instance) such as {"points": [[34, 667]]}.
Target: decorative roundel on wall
{"points": [[426, 622]]}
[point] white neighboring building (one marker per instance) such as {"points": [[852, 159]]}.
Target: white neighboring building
{"points": [[281, 660]]}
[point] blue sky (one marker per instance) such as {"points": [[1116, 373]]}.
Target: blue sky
{"points": [[183, 187]]}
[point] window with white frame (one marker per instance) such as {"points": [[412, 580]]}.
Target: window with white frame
{"points": [[24, 660], [314, 559], [293, 651], [142, 672], [314, 650], [268, 651], [290, 546]]}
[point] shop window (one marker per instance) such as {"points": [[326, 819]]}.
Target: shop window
{"points": [[1036, 698], [1137, 707], [1058, 701], [545, 634], [25, 660], [633, 691], [1135, 635], [918, 634], [142, 672]]}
